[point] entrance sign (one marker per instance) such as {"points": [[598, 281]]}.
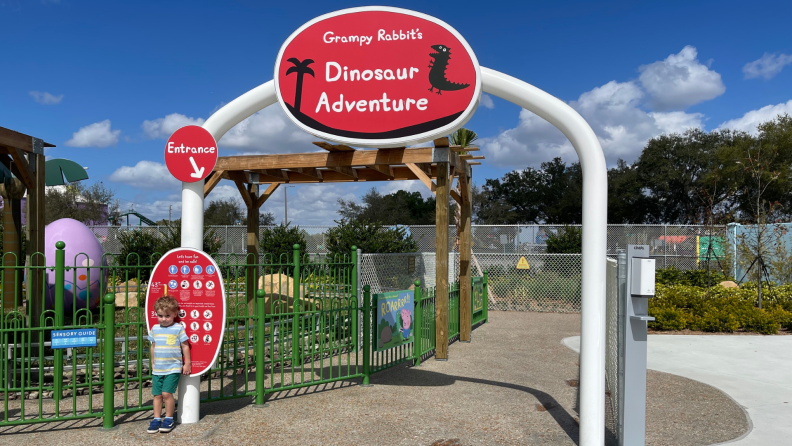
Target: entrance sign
{"points": [[377, 77], [523, 263], [193, 278], [394, 319], [191, 154]]}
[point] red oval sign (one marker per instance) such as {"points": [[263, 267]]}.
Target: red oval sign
{"points": [[193, 278], [377, 77]]}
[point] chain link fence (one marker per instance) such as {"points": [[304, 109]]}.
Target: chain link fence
{"points": [[612, 342]]}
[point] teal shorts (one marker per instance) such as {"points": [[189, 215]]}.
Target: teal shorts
{"points": [[165, 383]]}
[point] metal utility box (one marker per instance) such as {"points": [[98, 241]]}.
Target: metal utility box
{"points": [[643, 277]]}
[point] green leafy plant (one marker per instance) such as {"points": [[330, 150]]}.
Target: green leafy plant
{"points": [[568, 240], [278, 242], [369, 237]]}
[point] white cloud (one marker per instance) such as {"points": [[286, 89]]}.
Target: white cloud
{"points": [[268, 131], [486, 101], [750, 120], [145, 175], [614, 114], [767, 66], [42, 97], [98, 134], [164, 127], [680, 81]]}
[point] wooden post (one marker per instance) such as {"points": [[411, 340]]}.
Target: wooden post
{"points": [[251, 259], [441, 256], [35, 239], [465, 316]]}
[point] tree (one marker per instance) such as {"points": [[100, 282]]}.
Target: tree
{"points": [[301, 68], [552, 194], [369, 237], [398, 208], [266, 219], [224, 213], [90, 205], [568, 240], [277, 243]]}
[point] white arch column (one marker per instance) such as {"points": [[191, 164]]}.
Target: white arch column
{"points": [[595, 193]]}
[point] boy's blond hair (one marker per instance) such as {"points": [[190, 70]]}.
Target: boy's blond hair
{"points": [[166, 303]]}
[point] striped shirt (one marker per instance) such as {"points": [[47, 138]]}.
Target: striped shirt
{"points": [[167, 348]]}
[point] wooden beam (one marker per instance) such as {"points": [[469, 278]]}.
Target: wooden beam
{"points": [[474, 164], [465, 252], [23, 168], [12, 139], [383, 169], [426, 168], [239, 180], [333, 147], [422, 176], [359, 158], [281, 174], [441, 142], [471, 157], [35, 239], [463, 149], [266, 194], [346, 171], [441, 263], [310, 171], [251, 258], [212, 181]]}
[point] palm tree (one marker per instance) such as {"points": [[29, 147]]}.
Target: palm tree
{"points": [[301, 68]]}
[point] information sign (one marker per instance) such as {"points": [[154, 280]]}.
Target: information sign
{"points": [[377, 77], [394, 319], [193, 278], [477, 301], [78, 337], [191, 153]]}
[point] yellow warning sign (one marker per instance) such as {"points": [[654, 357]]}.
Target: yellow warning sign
{"points": [[523, 264]]}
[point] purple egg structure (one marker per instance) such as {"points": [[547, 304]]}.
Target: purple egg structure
{"points": [[84, 255]]}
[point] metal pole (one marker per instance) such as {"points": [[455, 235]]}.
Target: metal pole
{"points": [[108, 408], [665, 246], [595, 228], [260, 341], [417, 324], [366, 334], [192, 225], [285, 206], [354, 292], [60, 272]]}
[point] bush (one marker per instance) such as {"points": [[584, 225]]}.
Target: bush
{"points": [[719, 309], [369, 237], [568, 240], [693, 277], [277, 243]]}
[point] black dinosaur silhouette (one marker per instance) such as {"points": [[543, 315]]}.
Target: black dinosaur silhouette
{"points": [[437, 73]]}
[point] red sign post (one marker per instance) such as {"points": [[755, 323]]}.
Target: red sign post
{"points": [[193, 278], [191, 153], [377, 77]]}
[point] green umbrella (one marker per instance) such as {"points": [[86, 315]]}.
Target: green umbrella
{"points": [[57, 169]]}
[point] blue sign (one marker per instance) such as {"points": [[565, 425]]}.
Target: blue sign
{"points": [[172, 269], [185, 269], [394, 318], [197, 269], [79, 337], [173, 284], [210, 269]]}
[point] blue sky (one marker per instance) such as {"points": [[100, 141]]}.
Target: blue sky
{"points": [[107, 82]]}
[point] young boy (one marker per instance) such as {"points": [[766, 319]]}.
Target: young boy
{"points": [[168, 344]]}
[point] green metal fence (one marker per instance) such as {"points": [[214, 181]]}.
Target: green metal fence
{"points": [[291, 322]]}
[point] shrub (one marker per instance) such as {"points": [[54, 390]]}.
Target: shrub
{"points": [[694, 277], [369, 237], [568, 240], [719, 309], [277, 243]]}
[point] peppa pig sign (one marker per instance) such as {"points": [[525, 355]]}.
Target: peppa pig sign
{"points": [[377, 77], [394, 318]]}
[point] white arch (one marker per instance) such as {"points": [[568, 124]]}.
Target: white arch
{"points": [[595, 193]]}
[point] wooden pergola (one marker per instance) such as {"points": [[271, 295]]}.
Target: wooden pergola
{"points": [[23, 156], [435, 166]]}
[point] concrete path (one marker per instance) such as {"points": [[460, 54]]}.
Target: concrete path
{"points": [[754, 370]]}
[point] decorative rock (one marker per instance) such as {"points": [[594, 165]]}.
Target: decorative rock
{"points": [[729, 284], [33, 395]]}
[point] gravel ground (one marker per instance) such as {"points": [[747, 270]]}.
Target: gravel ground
{"points": [[514, 384]]}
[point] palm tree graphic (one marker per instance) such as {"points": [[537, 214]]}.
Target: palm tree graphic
{"points": [[301, 68]]}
